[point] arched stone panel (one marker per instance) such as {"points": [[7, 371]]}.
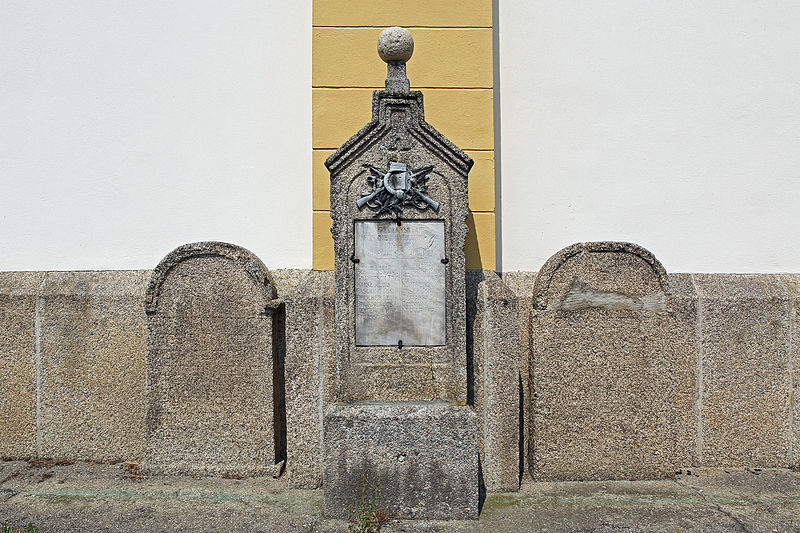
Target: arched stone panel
{"points": [[611, 373], [211, 364]]}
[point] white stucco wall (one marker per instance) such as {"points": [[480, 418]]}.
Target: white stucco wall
{"points": [[128, 128], [675, 125]]}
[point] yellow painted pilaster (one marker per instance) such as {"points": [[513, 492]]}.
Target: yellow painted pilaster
{"points": [[452, 63]]}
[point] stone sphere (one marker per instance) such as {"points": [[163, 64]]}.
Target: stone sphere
{"points": [[395, 44]]}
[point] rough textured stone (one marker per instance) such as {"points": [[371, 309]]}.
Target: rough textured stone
{"points": [[745, 370], [94, 497], [399, 134], [793, 287], [287, 280], [682, 303], [213, 375], [521, 283], [92, 338], [395, 44], [607, 376], [419, 459], [497, 394], [310, 375], [18, 351]]}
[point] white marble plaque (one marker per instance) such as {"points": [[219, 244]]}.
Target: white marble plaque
{"points": [[399, 283]]}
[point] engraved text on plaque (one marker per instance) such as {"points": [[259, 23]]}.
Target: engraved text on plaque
{"points": [[399, 283]]}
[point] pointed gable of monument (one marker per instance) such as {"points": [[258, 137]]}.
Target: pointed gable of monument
{"points": [[398, 119]]}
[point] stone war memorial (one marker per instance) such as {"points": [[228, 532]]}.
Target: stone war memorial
{"points": [[400, 424], [216, 392]]}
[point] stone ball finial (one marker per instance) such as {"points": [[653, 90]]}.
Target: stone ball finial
{"points": [[395, 44]]}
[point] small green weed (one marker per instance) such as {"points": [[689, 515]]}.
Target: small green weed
{"points": [[5, 528], [366, 517]]}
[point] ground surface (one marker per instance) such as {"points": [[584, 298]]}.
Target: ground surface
{"points": [[89, 497]]}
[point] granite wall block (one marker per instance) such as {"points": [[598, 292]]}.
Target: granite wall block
{"points": [[93, 344], [419, 459], [310, 369], [18, 353], [521, 283], [792, 282], [497, 393], [682, 303], [745, 395], [735, 405]]}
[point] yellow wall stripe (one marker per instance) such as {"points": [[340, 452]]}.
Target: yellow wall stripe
{"points": [[465, 116], [479, 248], [347, 57], [323, 241], [452, 62], [321, 188], [382, 13]]}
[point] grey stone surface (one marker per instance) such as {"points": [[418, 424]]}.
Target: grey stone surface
{"points": [[395, 44], [521, 284], [420, 460], [93, 497], [18, 351], [213, 374], [792, 282], [287, 280], [596, 283], [682, 303], [745, 370], [398, 133], [497, 392], [611, 366], [92, 338], [310, 375], [399, 283], [97, 497], [755, 499]]}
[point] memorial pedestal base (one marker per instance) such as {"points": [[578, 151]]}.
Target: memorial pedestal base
{"points": [[417, 460]]}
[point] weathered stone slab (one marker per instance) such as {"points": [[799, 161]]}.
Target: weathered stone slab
{"points": [[610, 366], [310, 375], [287, 280], [400, 283], [497, 393], [18, 351], [745, 370], [792, 282], [92, 338], [212, 391], [419, 459], [521, 283], [682, 302]]}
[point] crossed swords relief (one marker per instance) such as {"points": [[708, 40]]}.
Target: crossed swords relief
{"points": [[396, 188]]}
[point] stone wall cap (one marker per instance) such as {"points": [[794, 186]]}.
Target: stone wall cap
{"points": [[395, 47]]}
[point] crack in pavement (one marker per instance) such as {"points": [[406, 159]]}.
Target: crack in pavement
{"points": [[717, 506]]}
